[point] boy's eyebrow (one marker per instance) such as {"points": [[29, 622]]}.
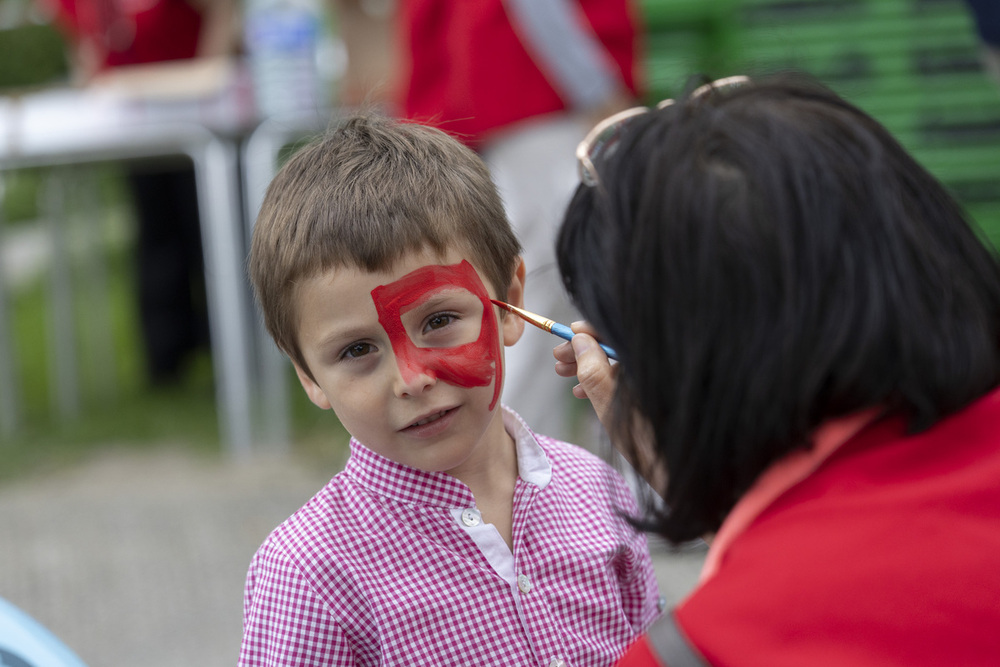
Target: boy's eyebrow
{"points": [[347, 334], [445, 294], [442, 295]]}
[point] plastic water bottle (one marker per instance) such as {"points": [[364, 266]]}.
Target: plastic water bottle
{"points": [[282, 40]]}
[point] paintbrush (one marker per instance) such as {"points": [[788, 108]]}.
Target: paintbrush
{"points": [[551, 326]]}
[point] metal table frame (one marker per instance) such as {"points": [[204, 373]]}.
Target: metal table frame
{"points": [[215, 158]]}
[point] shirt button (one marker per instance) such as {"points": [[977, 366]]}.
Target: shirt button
{"points": [[523, 583], [556, 662], [470, 518], [661, 604]]}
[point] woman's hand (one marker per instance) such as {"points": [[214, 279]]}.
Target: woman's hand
{"points": [[598, 377], [582, 357]]}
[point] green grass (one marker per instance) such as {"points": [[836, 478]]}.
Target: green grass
{"points": [[148, 418]]}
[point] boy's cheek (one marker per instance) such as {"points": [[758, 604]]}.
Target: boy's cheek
{"points": [[312, 389]]}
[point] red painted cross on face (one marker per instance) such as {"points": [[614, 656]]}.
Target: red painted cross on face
{"points": [[462, 362]]}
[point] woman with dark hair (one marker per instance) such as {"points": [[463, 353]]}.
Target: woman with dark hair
{"points": [[808, 332]]}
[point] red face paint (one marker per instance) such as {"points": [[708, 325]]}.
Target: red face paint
{"points": [[473, 364]]}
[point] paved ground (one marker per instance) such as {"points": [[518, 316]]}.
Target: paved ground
{"points": [[138, 560]]}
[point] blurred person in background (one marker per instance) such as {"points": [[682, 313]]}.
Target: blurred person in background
{"points": [[519, 81], [808, 330], [108, 34]]}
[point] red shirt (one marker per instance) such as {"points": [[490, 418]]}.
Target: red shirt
{"points": [[887, 554], [640, 654], [473, 68], [132, 32]]}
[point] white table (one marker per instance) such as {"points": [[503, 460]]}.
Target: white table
{"points": [[71, 126]]}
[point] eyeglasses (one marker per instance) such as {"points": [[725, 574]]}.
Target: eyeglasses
{"points": [[604, 137]]}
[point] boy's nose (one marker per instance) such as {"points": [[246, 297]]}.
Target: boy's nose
{"points": [[412, 378]]}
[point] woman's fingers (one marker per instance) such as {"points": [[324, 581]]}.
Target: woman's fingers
{"points": [[565, 360], [596, 374]]}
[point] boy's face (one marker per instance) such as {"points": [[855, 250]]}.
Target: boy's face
{"points": [[410, 360]]}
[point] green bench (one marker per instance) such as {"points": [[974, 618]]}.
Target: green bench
{"points": [[913, 64]]}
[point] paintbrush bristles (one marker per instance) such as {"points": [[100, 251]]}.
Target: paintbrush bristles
{"points": [[543, 323]]}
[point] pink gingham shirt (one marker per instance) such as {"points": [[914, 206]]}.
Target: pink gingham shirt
{"points": [[388, 565]]}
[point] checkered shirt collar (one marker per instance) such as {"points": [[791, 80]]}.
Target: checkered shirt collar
{"points": [[437, 489]]}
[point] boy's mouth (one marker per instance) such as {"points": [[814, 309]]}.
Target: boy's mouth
{"points": [[430, 418], [431, 425]]}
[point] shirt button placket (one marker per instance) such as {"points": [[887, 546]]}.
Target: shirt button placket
{"points": [[534, 617]]}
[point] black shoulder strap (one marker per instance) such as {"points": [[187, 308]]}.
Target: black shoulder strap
{"points": [[671, 645]]}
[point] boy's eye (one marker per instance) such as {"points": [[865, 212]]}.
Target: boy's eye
{"points": [[356, 350], [439, 321], [446, 318]]}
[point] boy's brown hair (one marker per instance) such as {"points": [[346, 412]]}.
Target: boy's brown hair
{"points": [[364, 195]]}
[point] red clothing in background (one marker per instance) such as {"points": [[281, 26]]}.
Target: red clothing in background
{"points": [[132, 32], [473, 69]]}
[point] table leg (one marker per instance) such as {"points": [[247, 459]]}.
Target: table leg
{"points": [[63, 371], [226, 286], [259, 164], [9, 397]]}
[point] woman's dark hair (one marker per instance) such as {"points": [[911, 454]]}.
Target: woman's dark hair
{"points": [[763, 259]]}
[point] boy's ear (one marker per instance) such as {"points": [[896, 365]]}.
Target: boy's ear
{"points": [[513, 326], [313, 390]]}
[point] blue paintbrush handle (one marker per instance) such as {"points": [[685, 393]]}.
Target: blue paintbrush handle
{"points": [[566, 333]]}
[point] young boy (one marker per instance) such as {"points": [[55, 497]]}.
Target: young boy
{"points": [[454, 535]]}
